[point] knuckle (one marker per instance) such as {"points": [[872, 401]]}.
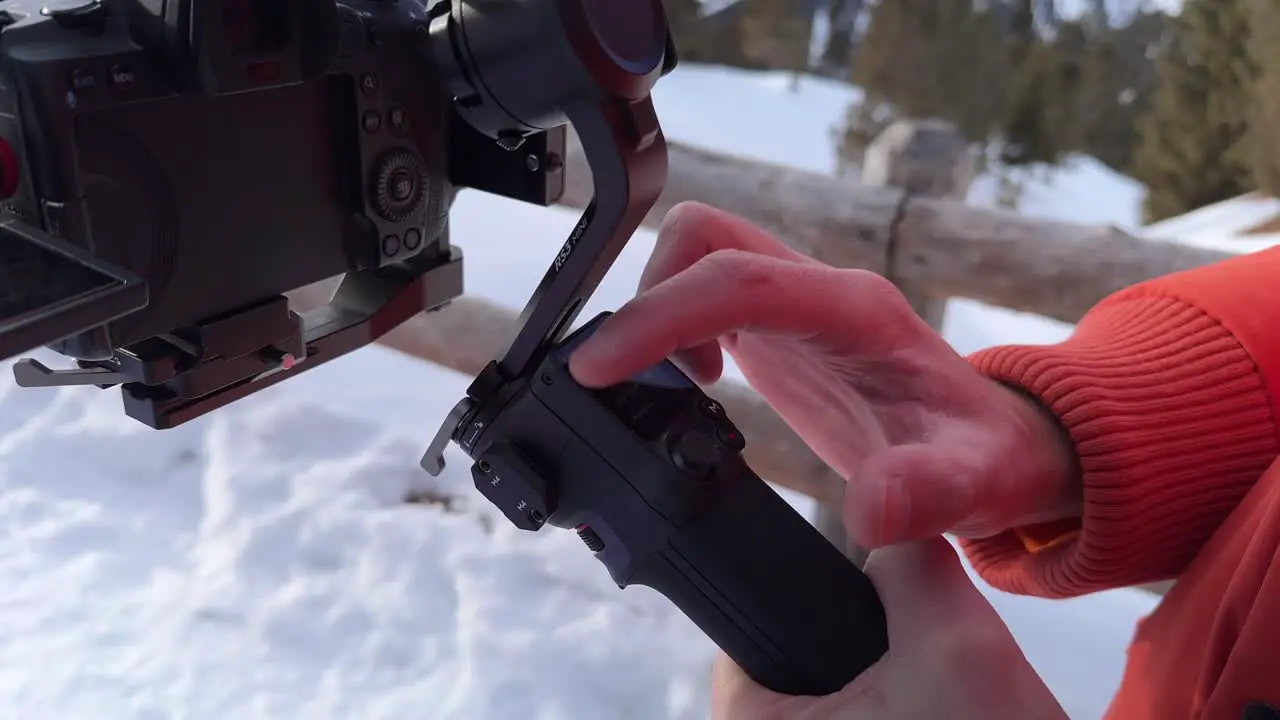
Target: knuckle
{"points": [[891, 303], [741, 269], [879, 289]]}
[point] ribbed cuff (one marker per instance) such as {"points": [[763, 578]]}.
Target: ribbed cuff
{"points": [[1171, 424]]}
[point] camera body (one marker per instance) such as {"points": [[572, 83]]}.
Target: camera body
{"points": [[221, 153]]}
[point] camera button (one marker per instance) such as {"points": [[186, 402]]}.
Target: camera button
{"points": [[398, 184], [711, 408], [370, 83], [402, 186], [121, 77], [412, 239], [390, 246], [397, 118], [372, 121], [83, 79]]}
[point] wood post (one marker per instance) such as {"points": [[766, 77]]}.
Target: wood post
{"points": [[927, 159]]}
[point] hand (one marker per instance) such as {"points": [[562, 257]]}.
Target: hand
{"points": [[927, 444], [950, 656]]}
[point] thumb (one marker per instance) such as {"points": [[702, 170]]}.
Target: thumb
{"points": [[924, 588], [943, 628]]}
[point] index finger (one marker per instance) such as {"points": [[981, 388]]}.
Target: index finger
{"points": [[691, 231], [731, 291]]}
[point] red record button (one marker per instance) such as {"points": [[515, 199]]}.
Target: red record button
{"points": [[732, 439]]}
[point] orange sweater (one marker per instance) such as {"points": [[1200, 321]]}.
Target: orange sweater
{"points": [[1170, 391]]}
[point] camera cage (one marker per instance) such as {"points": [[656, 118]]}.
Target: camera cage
{"points": [[173, 377]]}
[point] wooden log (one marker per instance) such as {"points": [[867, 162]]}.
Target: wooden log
{"points": [[469, 332], [1054, 269]]}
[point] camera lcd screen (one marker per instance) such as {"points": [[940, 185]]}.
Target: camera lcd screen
{"points": [[256, 27], [49, 291], [33, 277]]}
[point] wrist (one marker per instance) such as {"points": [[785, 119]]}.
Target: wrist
{"points": [[1052, 472]]}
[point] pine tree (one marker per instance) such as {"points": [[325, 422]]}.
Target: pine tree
{"points": [[777, 33], [936, 58], [683, 18], [1028, 126], [842, 23], [1264, 127], [1193, 148], [1118, 78]]}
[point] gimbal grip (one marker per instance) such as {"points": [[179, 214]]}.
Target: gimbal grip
{"points": [[775, 595]]}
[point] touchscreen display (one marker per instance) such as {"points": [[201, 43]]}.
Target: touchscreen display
{"points": [[33, 277], [51, 290]]}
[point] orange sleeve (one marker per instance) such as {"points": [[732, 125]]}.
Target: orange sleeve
{"points": [[1169, 391]]}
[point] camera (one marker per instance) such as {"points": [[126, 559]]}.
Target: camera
{"points": [[170, 168]]}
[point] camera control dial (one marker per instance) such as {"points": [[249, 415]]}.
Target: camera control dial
{"points": [[399, 184]]}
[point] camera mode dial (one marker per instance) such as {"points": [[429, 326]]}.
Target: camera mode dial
{"points": [[399, 184]]}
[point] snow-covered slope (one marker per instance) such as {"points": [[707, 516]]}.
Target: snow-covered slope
{"points": [[262, 563], [1226, 226], [1081, 189]]}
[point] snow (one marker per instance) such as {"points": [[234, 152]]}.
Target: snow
{"points": [[261, 562], [754, 114], [1080, 190], [1224, 226]]}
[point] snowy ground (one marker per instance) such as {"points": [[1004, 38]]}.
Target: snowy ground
{"points": [[262, 563]]}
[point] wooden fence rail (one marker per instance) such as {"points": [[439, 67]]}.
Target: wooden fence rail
{"points": [[941, 246]]}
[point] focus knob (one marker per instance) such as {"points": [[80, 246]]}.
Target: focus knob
{"points": [[399, 184]]}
